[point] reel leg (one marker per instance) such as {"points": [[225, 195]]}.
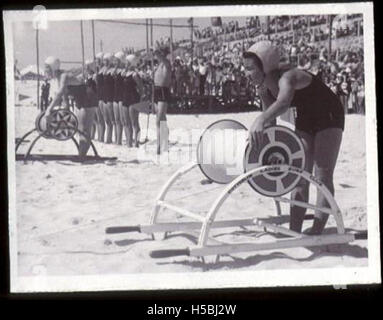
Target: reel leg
{"points": [[31, 146], [23, 138]]}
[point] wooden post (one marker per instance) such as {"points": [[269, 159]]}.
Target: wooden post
{"points": [[147, 35], [171, 41], [330, 21], [82, 50], [191, 40], [267, 27], [292, 29], [93, 41], [38, 68]]}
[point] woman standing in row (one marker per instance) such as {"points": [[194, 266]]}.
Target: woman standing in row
{"points": [[117, 73], [108, 95], [99, 118], [133, 93]]}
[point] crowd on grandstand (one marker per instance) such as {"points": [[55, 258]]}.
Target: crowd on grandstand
{"points": [[217, 68]]}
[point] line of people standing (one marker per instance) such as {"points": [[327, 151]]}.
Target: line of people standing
{"points": [[118, 88]]}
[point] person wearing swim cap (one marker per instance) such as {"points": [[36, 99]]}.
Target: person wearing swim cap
{"points": [[108, 96], [85, 97], [162, 82], [133, 94], [319, 121], [99, 118], [90, 79], [119, 58]]}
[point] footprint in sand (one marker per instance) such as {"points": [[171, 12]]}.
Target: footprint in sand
{"points": [[76, 221]]}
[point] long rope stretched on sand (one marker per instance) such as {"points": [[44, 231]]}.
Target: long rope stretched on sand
{"points": [[96, 222]]}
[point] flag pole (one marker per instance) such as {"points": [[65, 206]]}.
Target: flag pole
{"points": [[82, 50], [38, 67], [93, 41]]}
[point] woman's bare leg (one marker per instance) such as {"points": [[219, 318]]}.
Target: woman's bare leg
{"points": [[85, 122], [100, 122], [326, 150], [134, 114], [126, 122], [301, 191], [117, 123], [109, 118], [162, 128]]}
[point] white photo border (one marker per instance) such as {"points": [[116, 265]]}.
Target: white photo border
{"points": [[201, 280]]}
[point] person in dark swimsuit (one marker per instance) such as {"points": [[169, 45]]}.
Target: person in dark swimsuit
{"points": [[319, 121], [162, 82], [99, 118], [84, 93], [118, 95], [90, 79], [134, 93], [108, 96]]}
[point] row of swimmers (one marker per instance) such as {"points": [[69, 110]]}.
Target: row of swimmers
{"points": [[109, 98], [118, 87]]}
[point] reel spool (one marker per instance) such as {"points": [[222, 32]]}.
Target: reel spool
{"points": [[280, 145], [220, 150], [41, 126], [61, 126]]}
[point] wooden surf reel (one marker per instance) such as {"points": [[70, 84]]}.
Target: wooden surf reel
{"points": [[225, 141], [272, 169], [61, 125]]}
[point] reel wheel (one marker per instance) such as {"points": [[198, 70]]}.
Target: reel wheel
{"points": [[280, 145], [220, 150], [63, 125]]}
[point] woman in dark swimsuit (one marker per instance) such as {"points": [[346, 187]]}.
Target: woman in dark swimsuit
{"points": [[126, 121], [108, 96], [319, 121], [85, 98], [118, 95], [99, 119], [135, 90]]}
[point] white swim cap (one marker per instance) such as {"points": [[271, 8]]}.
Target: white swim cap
{"points": [[132, 59], [88, 62], [267, 53], [53, 63], [99, 55], [119, 55], [107, 56]]}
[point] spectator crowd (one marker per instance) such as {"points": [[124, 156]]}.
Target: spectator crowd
{"points": [[216, 68]]}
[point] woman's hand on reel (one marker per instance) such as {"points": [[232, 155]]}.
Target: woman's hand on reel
{"points": [[256, 132]]}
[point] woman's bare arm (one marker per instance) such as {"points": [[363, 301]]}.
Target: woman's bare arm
{"points": [[267, 100], [140, 86], [287, 86], [60, 93]]}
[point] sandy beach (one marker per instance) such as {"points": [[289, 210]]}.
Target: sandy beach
{"points": [[64, 207]]}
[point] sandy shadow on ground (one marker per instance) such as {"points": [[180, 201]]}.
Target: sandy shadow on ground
{"points": [[128, 242], [334, 250]]}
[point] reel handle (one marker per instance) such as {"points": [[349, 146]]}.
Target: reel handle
{"points": [[169, 253], [362, 235], [123, 229]]}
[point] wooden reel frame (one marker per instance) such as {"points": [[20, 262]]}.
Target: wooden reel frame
{"points": [[62, 126], [207, 246]]}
